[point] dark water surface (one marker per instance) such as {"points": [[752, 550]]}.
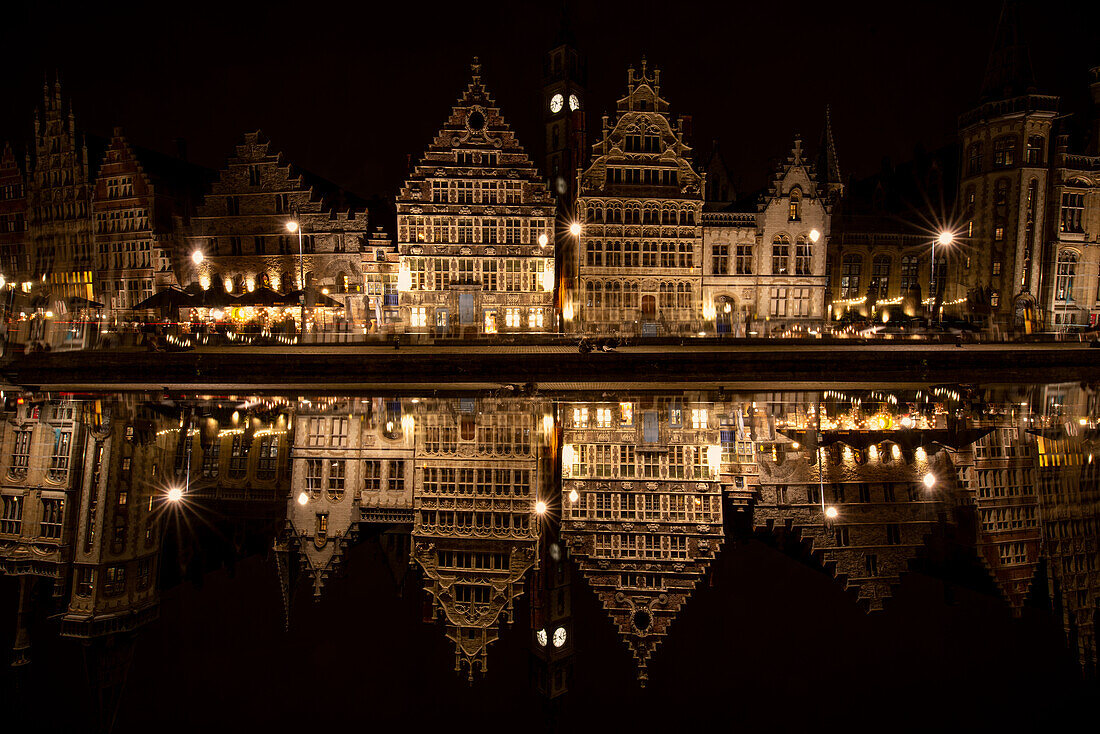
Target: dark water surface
{"points": [[868, 558]]}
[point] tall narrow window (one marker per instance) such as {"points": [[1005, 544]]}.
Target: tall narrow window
{"points": [[803, 257], [880, 275], [744, 260], [781, 254], [850, 270], [1067, 272], [59, 459], [1073, 210], [794, 213], [908, 272]]}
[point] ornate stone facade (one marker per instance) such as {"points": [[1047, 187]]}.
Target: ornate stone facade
{"points": [[13, 220], [640, 257], [241, 230], [352, 465], [765, 271], [475, 229], [641, 508], [59, 204], [479, 471]]}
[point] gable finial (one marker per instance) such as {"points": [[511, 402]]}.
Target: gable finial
{"points": [[475, 67]]}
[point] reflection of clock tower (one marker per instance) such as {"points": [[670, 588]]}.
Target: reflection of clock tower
{"points": [[563, 105]]}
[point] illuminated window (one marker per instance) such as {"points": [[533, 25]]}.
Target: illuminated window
{"points": [[534, 318], [580, 417], [419, 316], [1073, 210], [339, 432], [698, 418], [626, 410], [1004, 151], [512, 318], [794, 213]]}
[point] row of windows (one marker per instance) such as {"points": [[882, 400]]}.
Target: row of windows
{"points": [[626, 295], [459, 520], [475, 230], [512, 274], [634, 254], [647, 506], [469, 191], [480, 482], [842, 536], [593, 416], [50, 521], [58, 467], [500, 435], [838, 493], [851, 274], [617, 212], [641, 545], [1008, 518], [605, 460], [1005, 153]]}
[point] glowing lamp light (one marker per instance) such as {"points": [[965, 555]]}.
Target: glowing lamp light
{"points": [[548, 279], [831, 513], [929, 480], [197, 257], [540, 508], [945, 238], [2, 281], [175, 494], [814, 236], [543, 240], [303, 498], [292, 226], [228, 285], [404, 278], [714, 458], [573, 496], [575, 229]]}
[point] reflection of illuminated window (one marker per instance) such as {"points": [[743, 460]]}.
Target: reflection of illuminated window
{"points": [[626, 410], [580, 417], [419, 316], [603, 417], [698, 418]]}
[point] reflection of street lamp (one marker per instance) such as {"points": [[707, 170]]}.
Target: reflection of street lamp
{"points": [[575, 229], [929, 480], [540, 508], [294, 226], [814, 236], [175, 494], [197, 257], [831, 513]]}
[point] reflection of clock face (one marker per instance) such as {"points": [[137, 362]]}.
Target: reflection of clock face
{"points": [[540, 636], [574, 103], [556, 102], [559, 637]]}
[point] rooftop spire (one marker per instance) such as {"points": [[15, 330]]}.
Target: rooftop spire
{"points": [[1009, 72], [828, 165]]}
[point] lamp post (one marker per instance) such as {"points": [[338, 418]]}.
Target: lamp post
{"points": [[294, 226], [944, 239]]}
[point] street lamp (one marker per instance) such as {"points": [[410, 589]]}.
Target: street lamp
{"points": [[303, 498], [175, 494], [944, 239], [831, 513], [575, 229], [293, 226], [814, 236], [197, 257], [929, 480], [540, 508]]}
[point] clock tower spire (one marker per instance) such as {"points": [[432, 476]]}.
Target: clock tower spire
{"points": [[565, 143]]}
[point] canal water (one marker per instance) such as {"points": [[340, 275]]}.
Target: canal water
{"points": [[898, 558]]}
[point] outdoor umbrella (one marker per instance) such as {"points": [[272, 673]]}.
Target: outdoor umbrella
{"points": [[264, 296], [167, 300], [77, 302], [214, 298]]}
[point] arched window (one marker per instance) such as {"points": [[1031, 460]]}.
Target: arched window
{"points": [[803, 256], [1000, 192], [781, 254], [795, 213], [683, 295], [1035, 150], [685, 255], [908, 272], [850, 270], [880, 275], [594, 252], [668, 297], [1004, 151], [687, 217], [614, 295], [1067, 272]]}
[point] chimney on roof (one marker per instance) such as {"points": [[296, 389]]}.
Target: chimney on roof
{"points": [[181, 148]]}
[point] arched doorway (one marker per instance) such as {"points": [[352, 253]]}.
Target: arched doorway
{"points": [[724, 310]]}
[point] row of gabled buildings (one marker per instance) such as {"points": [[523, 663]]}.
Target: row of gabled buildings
{"points": [[630, 234]]}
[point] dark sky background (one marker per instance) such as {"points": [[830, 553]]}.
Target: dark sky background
{"points": [[348, 92]]}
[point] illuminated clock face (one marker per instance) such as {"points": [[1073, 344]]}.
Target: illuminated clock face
{"points": [[556, 103], [559, 637], [540, 636], [574, 103]]}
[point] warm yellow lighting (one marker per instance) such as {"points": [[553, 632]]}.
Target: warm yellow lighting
{"points": [[408, 423], [228, 285], [548, 423], [49, 314], [250, 284], [548, 278], [726, 308], [404, 278], [324, 291], [945, 238], [814, 236], [573, 496], [292, 226], [543, 240], [795, 445], [709, 311], [540, 508], [567, 459], [175, 494], [197, 257], [2, 281], [217, 314], [575, 229], [929, 480], [895, 451], [204, 281], [831, 513], [714, 458], [303, 498]]}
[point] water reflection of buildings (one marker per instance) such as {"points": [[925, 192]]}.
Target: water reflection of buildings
{"points": [[352, 465], [641, 507], [480, 468]]}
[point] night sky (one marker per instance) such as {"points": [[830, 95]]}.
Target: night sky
{"points": [[349, 92]]}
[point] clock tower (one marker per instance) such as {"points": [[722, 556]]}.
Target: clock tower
{"points": [[563, 109]]}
